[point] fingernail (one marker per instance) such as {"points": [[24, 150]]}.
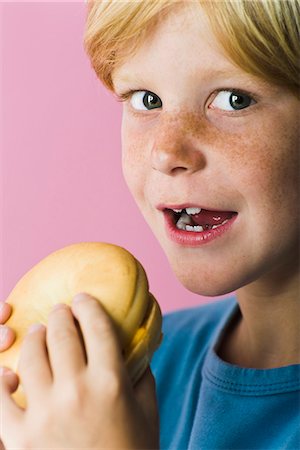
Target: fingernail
{"points": [[35, 327], [3, 333], [2, 305], [5, 371], [80, 297]]}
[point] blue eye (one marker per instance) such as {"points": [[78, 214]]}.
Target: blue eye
{"points": [[145, 100], [231, 101]]}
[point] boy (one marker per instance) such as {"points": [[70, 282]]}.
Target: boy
{"points": [[211, 155]]}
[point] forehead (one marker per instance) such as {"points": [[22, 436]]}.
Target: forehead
{"points": [[182, 40]]}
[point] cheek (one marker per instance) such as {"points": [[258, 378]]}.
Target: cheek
{"points": [[133, 162], [259, 159], [267, 165]]}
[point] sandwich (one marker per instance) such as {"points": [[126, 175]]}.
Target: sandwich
{"points": [[105, 271]]}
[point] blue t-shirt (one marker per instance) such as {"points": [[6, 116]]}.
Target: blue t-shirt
{"points": [[207, 403]]}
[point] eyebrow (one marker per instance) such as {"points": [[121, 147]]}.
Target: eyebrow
{"points": [[250, 81], [128, 78], [207, 73]]}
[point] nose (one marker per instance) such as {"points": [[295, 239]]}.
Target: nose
{"points": [[175, 152]]}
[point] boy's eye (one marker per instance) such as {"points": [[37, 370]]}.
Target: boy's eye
{"points": [[231, 101], [226, 100], [145, 100]]}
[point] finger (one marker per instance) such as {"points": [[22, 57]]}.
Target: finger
{"points": [[11, 378], [7, 337], [34, 365], [66, 353], [5, 311], [101, 341], [145, 391], [11, 413], [145, 395]]}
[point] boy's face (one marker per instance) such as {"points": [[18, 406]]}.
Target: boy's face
{"points": [[209, 135]]}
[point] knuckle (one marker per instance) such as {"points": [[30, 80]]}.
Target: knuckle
{"points": [[42, 422], [75, 396], [102, 323], [60, 324], [62, 334], [96, 316], [100, 326], [24, 442], [25, 364], [112, 384], [27, 360]]}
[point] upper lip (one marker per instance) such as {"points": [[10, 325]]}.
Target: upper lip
{"points": [[163, 206]]}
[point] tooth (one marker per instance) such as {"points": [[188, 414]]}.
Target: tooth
{"points": [[189, 228], [193, 210], [184, 219], [196, 228], [177, 210], [180, 224], [225, 221]]}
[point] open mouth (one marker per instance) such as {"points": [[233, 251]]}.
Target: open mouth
{"points": [[199, 220]]}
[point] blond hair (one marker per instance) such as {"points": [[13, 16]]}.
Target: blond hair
{"points": [[260, 36]]}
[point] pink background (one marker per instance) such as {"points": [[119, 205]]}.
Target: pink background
{"points": [[61, 179]]}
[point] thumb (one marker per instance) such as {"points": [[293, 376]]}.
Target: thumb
{"points": [[145, 395], [11, 413], [10, 379], [145, 387]]}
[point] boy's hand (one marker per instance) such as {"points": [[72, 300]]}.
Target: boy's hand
{"points": [[74, 403], [7, 335], [7, 338]]}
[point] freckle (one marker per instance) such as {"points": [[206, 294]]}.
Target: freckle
{"points": [[192, 124], [256, 152]]}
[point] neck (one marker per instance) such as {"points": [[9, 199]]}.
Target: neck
{"points": [[267, 332]]}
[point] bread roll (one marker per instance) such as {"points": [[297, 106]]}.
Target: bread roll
{"points": [[105, 271]]}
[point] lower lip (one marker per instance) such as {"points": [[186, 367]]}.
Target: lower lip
{"points": [[194, 238]]}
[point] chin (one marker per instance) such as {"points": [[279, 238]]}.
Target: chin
{"points": [[205, 289], [209, 284]]}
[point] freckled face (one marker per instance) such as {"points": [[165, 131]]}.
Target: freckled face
{"points": [[199, 130]]}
